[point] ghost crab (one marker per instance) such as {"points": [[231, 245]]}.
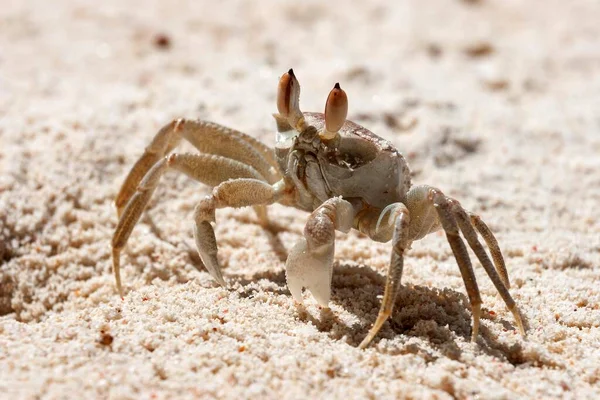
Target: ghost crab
{"points": [[343, 174]]}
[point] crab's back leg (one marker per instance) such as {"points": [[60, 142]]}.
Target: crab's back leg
{"points": [[206, 168], [498, 276], [212, 138], [309, 263], [443, 208], [454, 220], [163, 142], [492, 244], [207, 137]]}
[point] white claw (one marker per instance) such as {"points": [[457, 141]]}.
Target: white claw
{"points": [[312, 269]]}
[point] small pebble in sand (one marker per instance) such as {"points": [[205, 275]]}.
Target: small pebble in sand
{"points": [[105, 339], [479, 49], [162, 41]]}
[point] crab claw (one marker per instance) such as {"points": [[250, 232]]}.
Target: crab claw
{"points": [[288, 98], [312, 269], [336, 110], [310, 262]]}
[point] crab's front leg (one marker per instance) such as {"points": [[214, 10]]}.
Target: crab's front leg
{"points": [[232, 193], [248, 189], [398, 221], [309, 263]]}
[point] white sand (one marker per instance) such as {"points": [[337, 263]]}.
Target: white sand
{"points": [[495, 102]]}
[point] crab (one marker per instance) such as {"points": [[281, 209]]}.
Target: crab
{"points": [[344, 175]]}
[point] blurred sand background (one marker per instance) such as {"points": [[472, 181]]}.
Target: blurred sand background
{"points": [[495, 102]]}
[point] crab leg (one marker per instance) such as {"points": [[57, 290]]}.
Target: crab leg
{"points": [[209, 169], [400, 242], [492, 244], [163, 142], [212, 138], [207, 137], [444, 211], [464, 222], [233, 193], [309, 263]]}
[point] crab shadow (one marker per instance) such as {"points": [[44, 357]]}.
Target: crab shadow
{"points": [[437, 315]]}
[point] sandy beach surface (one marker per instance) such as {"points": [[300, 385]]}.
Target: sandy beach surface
{"points": [[497, 103]]}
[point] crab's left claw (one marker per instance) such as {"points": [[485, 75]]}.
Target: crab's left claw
{"points": [[310, 261], [310, 268]]}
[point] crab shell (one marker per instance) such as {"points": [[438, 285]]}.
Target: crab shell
{"points": [[357, 164]]}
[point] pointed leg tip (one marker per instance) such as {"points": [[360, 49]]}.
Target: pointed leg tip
{"points": [[522, 330], [365, 343], [519, 321], [117, 271], [476, 310], [120, 288], [220, 280]]}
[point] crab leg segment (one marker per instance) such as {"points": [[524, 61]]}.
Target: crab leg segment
{"points": [[400, 242], [453, 217], [164, 141], [492, 244], [233, 193], [206, 168], [309, 263], [207, 137], [430, 209], [443, 208], [499, 281]]}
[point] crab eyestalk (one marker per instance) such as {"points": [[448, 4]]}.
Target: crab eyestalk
{"points": [[288, 99], [336, 110]]}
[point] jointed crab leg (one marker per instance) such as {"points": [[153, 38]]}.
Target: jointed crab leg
{"points": [[443, 208], [453, 216], [206, 168], [429, 208], [492, 244], [471, 236], [212, 138], [392, 285], [233, 193], [162, 143], [207, 137]]}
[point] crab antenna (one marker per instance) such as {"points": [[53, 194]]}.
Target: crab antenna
{"points": [[336, 110], [288, 98]]}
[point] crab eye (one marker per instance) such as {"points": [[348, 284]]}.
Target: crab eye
{"points": [[283, 93], [288, 94], [336, 110]]}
